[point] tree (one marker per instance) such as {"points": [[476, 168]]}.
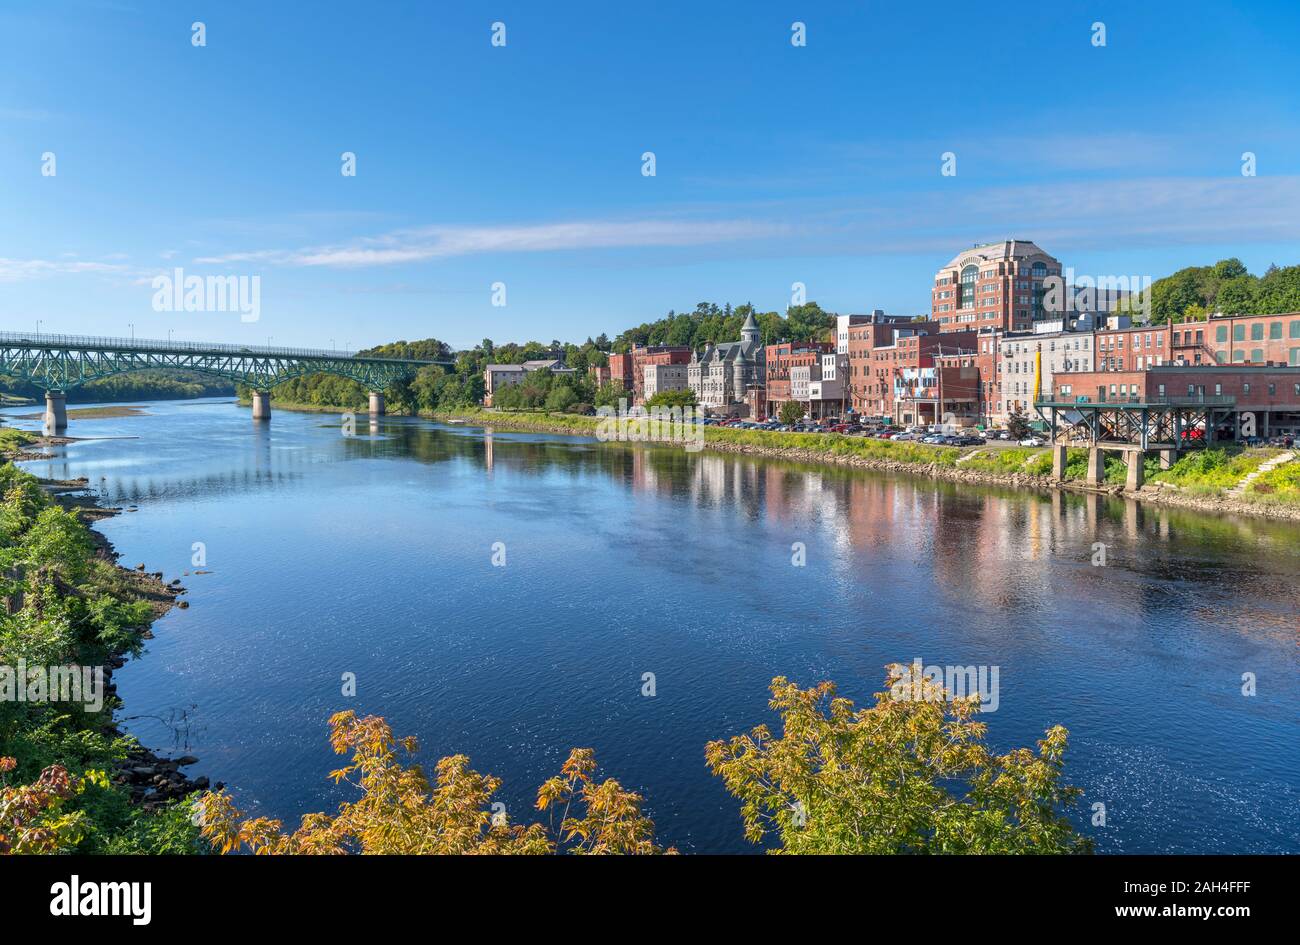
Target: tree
{"points": [[561, 398], [672, 398], [791, 412], [1018, 425], [399, 811], [910, 774]]}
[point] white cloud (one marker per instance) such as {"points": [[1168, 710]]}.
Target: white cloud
{"points": [[434, 242], [18, 270]]}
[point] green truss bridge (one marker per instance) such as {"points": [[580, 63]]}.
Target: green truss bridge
{"points": [[58, 363]]}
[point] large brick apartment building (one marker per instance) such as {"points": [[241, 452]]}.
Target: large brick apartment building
{"points": [[996, 286]]}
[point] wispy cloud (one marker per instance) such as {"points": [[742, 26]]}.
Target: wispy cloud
{"points": [[435, 242], [18, 270]]}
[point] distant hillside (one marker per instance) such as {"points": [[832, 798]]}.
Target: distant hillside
{"points": [[144, 385], [1224, 287]]}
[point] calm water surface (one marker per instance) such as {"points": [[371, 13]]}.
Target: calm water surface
{"points": [[372, 555]]}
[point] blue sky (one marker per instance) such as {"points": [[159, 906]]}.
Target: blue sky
{"points": [[522, 164]]}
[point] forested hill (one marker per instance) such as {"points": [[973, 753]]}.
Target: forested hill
{"points": [[1225, 286], [143, 385], [711, 324]]}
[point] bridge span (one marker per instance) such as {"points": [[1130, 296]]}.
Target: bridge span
{"points": [[58, 363]]}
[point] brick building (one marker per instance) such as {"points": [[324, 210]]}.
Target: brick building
{"points": [[872, 358], [1270, 393], [994, 286], [781, 358]]}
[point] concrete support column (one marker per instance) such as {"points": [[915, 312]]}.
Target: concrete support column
{"points": [[1058, 461], [56, 410], [376, 403], [1167, 459], [261, 405], [1136, 470], [1096, 466]]}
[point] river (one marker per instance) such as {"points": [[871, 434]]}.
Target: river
{"points": [[373, 554]]}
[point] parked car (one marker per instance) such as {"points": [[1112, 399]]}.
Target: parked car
{"points": [[1033, 441]]}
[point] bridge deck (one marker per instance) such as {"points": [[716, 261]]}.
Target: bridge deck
{"points": [[31, 340]]}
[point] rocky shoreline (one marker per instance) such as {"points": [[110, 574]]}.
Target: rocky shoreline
{"points": [[150, 778]]}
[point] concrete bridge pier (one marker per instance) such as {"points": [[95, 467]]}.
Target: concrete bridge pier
{"points": [[1136, 470], [1096, 466], [1168, 458], [56, 410], [261, 405], [1058, 461], [376, 403]]}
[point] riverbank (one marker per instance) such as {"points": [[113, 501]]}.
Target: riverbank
{"points": [[1021, 468], [1273, 495], [70, 603]]}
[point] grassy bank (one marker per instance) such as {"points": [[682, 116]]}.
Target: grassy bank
{"points": [[67, 604]]}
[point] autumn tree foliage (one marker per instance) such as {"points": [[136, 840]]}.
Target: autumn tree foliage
{"points": [[907, 775], [32, 816], [400, 811]]}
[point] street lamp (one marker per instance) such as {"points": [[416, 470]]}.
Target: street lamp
{"points": [[132, 324]]}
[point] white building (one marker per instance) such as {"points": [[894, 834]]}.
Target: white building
{"points": [[664, 377]]}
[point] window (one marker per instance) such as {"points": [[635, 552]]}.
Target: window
{"points": [[1295, 328], [1295, 357], [1257, 355], [1218, 390], [1238, 332], [1245, 388], [1161, 389], [1238, 357], [1221, 333], [968, 276], [1275, 331], [1272, 390], [1222, 358]]}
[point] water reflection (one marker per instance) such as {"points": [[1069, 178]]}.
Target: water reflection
{"points": [[371, 553]]}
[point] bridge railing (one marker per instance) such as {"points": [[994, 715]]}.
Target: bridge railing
{"points": [[91, 342], [1056, 398]]}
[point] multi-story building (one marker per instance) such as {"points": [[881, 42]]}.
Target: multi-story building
{"points": [[654, 354], [497, 376], [1018, 357], [910, 364], [997, 285], [1240, 339], [1270, 393], [1120, 347], [620, 370], [722, 375], [664, 377], [868, 374], [779, 359], [828, 392]]}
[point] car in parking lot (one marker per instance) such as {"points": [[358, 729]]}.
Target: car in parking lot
{"points": [[1033, 441]]}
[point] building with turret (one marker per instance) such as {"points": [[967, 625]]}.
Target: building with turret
{"points": [[721, 375]]}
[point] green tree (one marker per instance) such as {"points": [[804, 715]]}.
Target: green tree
{"points": [[560, 398], [910, 774], [1018, 425], [791, 412], [672, 398]]}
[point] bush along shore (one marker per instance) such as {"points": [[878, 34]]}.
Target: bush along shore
{"points": [[70, 779], [1226, 480]]}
